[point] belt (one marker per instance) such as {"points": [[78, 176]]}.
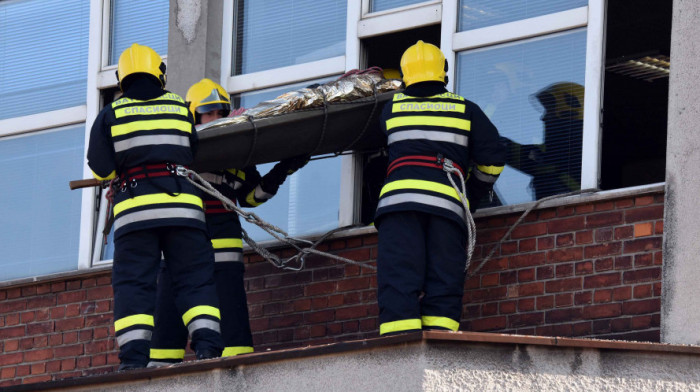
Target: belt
{"points": [[217, 207], [150, 171], [437, 162]]}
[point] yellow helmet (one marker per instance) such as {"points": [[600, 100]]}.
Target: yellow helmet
{"points": [[423, 62], [140, 59], [207, 95], [563, 100]]}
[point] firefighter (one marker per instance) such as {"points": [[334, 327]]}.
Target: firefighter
{"points": [[142, 140], [420, 217], [555, 165], [209, 101]]}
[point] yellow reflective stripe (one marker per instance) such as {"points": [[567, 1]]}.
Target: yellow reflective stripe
{"points": [[219, 243], [157, 198], [135, 319], [450, 122], [402, 96], [147, 110], [434, 321], [250, 199], [150, 125], [109, 176], [231, 351], [400, 325], [421, 185], [238, 173], [200, 311], [492, 170], [427, 107], [160, 353]]}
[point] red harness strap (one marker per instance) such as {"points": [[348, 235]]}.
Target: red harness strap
{"points": [[216, 207], [155, 170], [436, 162]]}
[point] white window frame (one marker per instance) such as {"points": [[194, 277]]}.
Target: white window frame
{"points": [[366, 6], [593, 18]]}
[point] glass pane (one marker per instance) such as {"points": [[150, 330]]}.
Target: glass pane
{"points": [[43, 55], [309, 200], [532, 91], [39, 214], [383, 5], [141, 22], [474, 14], [277, 33]]}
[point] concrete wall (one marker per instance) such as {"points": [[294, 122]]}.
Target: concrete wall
{"points": [[681, 308]]}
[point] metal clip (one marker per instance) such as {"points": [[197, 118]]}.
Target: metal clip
{"points": [[181, 171]]}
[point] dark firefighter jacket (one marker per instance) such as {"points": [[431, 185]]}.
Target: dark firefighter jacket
{"points": [[143, 130], [428, 121]]}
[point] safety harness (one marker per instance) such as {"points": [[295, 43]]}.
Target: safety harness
{"points": [[437, 162]]}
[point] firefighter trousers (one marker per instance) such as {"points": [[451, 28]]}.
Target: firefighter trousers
{"points": [[190, 263], [170, 334], [420, 272]]}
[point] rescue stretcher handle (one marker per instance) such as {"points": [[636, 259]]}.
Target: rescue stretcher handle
{"points": [[86, 183]]}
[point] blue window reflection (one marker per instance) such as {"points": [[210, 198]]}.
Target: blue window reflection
{"points": [[277, 33], [474, 14], [142, 22], [39, 215], [383, 5], [43, 55], [533, 93], [309, 200]]}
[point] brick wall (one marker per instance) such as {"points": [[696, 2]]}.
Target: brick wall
{"points": [[590, 270]]}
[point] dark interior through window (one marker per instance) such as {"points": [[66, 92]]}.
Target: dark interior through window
{"points": [[635, 101]]}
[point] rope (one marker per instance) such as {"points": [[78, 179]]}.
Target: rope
{"points": [[323, 129], [303, 247], [369, 121], [527, 211], [450, 169], [255, 141]]}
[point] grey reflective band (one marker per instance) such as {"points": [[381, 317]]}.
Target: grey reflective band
{"points": [[135, 334], [157, 213], [401, 198], [150, 140], [203, 323], [436, 136], [261, 194], [228, 256], [483, 176]]}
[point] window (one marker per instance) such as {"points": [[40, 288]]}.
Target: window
{"points": [[43, 55], [142, 22], [474, 14], [383, 5], [40, 216], [309, 200], [532, 91], [273, 34]]}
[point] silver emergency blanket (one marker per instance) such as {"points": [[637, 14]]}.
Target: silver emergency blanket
{"points": [[346, 89]]}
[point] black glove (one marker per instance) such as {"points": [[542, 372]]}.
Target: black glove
{"points": [[293, 164], [273, 179]]}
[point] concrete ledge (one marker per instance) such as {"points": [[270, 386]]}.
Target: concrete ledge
{"points": [[432, 360]]}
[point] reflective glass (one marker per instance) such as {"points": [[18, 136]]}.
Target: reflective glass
{"points": [[309, 200], [39, 214], [532, 91], [383, 5], [141, 22], [277, 33], [474, 14], [43, 55]]}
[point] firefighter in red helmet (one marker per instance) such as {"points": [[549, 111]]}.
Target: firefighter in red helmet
{"points": [[142, 139], [420, 218]]}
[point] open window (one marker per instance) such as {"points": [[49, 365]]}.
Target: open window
{"points": [[635, 102], [385, 51]]}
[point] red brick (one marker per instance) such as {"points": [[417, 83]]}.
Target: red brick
{"points": [[566, 299], [555, 330], [544, 243], [602, 296], [490, 280], [38, 355], [492, 293], [624, 232], [526, 304], [643, 260], [560, 285], [624, 203], [642, 275], [603, 264], [564, 270], [643, 291], [601, 280], [68, 351], [529, 230], [546, 302], [566, 254], [602, 311], [530, 289], [644, 244], [640, 322], [527, 245], [353, 284], [526, 275], [594, 251], [581, 329], [604, 234], [563, 315], [545, 273], [40, 328], [565, 211], [644, 214], [353, 312], [622, 293], [6, 373], [584, 237], [490, 309], [100, 346], [68, 324], [583, 298], [508, 277], [640, 307], [507, 307], [605, 206], [623, 262], [584, 267], [103, 292], [564, 225], [12, 332], [320, 288], [286, 321], [604, 219], [361, 254], [526, 260], [565, 239], [620, 324], [487, 324], [659, 227], [320, 316], [12, 306], [10, 359], [525, 319]]}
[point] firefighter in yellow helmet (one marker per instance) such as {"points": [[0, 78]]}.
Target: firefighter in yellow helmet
{"points": [[555, 165], [420, 217], [140, 140], [208, 102]]}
